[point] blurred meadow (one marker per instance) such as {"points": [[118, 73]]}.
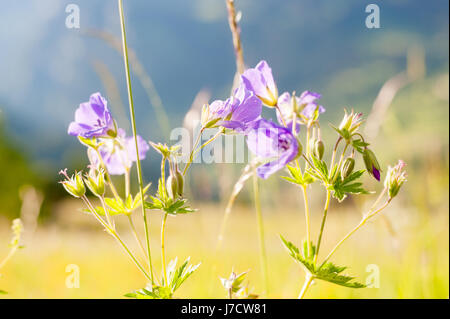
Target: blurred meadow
{"points": [[182, 56]]}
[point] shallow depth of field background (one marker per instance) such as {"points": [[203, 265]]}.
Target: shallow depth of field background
{"points": [[185, 48]]}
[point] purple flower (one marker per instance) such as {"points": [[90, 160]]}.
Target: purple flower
{"points": [[243, 108], [308, 105], [260, 81], [302, 109], [119, 154], [270, 141], [93, 119]]}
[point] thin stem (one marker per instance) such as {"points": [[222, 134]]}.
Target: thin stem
{"points": [[163, 251], [108, 177], [108, 218], [361, 223], [127, 183], [308, 281], [133, 126], [307, 221], [191, 155], [133, 230], [262, 245], [116, 236], [322, 226], [334, 154], [12, 251]]}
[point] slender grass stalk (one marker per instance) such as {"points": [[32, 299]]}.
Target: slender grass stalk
{"points": [[262, 245], [163, 251], [322, 226], [133, 126], [240, 66]]}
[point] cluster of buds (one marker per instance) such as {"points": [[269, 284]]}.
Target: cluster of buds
{"points": [[395, 178], [74, 184]]}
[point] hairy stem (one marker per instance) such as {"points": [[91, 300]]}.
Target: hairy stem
{"points": [[116, 236], [322, 226], [361, 223], [234, 27], [133, 126], [191, 155], [308, 281], [163, 251], [307, 219]]}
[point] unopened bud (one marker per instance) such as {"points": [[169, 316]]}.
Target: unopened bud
{"points": [[96, 182], [395, 178], [371, 163], [74, 185], [180, 183], [319, 149], [347, 167], [172, 186]]}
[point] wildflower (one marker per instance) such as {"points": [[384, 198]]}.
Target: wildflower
{"points": [[95, 181], [268, 140], [73, 185], [93, 119], [372, 165], [350, 123], [260, 81], [395, 178], [119, 154], [236, 113], [303, 108]]}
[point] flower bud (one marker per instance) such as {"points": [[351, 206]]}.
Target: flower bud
{"points": [[180, 182], [319, 149], [371, 163], [96, 182], [347, 167], [172, 186], [73, 185], [395, 178], [351, 122]]}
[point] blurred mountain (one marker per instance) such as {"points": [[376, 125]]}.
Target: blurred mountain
{"points": [[46, 69]]}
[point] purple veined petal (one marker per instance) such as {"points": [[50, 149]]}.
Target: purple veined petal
{"points": [[308, 97], [249, 110], [254, 81], [309, 110], [131, 148], [266, 71], [264, 171]]}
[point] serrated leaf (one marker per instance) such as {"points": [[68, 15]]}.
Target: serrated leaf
{"points": [[332, 273]]}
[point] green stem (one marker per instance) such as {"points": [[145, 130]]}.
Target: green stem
{"points": [[8, 257], [361, 223], [262, 246], [133, 125], [307, 219], [322, 226], [191, 155], [306, 285], [116, 236], [163, 251]]}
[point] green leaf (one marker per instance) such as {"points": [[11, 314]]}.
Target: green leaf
{"points": [[176, 276], [348, 186], [294, 252], [332, 273], [155, 292], [297, 177], [359, 145], [2, 292]]}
